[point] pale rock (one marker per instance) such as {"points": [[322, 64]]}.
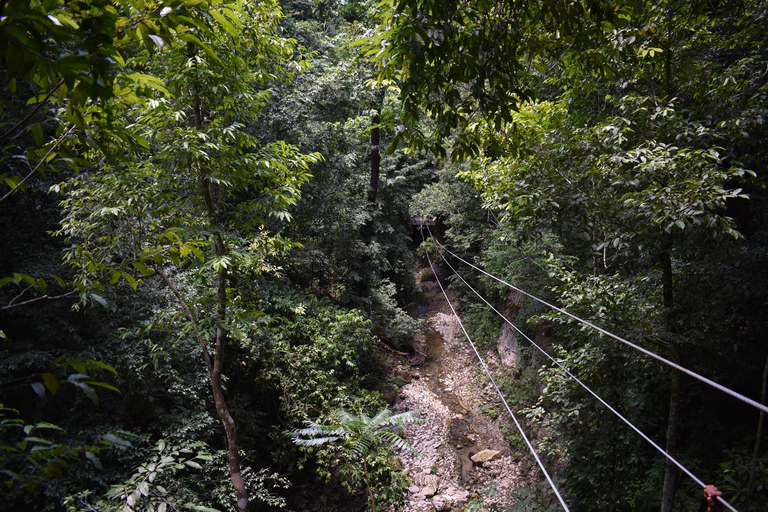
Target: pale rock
{"points": [[441, 503], [426, 492], [485, 456]]}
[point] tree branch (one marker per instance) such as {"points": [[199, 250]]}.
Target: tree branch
{"points": [[39, 105], [30, 301], [190, 316], [42, 161]]}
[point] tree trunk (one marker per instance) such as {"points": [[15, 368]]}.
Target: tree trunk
{"points": [[675, 394], [215, 367], [671, 474], [373, 191], [218, 396], [218, 359], [368, 486]]}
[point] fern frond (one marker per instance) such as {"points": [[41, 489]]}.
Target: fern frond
{"points": [[362, 446], [345, 417], [398, 442], [315, 441], [381, 418], [405, 418]]}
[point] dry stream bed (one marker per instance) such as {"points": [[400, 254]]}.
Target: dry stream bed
{"points": [[450, 391]]}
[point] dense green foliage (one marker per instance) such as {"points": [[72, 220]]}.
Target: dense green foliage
{"points": [[630, 193], [204, 247]]}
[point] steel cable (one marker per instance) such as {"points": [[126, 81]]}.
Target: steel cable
{"points": [[488, 373], [597, 397], [647, 352]]}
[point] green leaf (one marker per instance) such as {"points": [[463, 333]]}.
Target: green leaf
{"points": [[224, 22], [50, 426], [14, 181], [102, 365], [37, 134], [88, 390], [99, 299], [53, 470], [193, 464], [150, 81], [103, 385], [116, 440], [51, 382], [201, 508], [94, 459]]}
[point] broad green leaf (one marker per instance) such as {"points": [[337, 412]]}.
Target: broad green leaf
{"points": [[14, 181], [50, 426], [37, 134], [94, 459], [51, 382], [98, 298], [224, 22], [102, 365], [116, 440], [103, 385], [201, 508], [88, 390]]}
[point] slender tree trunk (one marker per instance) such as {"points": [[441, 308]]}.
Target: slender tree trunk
{"points": [[675, 394], [215, 366], [756, 451], [218, 357], [218, 394], [671, 473], [373, 191]]}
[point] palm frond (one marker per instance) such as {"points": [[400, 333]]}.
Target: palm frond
{"points": [[405, 418], [314, 441], [398, 442], [381, 417], [362, 432]]}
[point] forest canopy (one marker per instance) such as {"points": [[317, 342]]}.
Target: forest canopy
{"points": [[206, 209]]}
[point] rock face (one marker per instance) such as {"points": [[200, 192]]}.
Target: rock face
{"points": [[507, 345], [485, 456]]}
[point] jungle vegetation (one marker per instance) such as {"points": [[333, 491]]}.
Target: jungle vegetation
{"points": [[206, 240]]}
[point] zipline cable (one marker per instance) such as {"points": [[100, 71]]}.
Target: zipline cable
{"points": [[614, 411], [676, 366], [488, 373]]}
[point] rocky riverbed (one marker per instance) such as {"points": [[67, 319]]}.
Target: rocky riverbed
{"points": [[450, 391]]}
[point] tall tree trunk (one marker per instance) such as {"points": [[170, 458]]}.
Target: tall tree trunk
{"points": [[373, 191], [671, 473], [215, 366], [675, 393]]}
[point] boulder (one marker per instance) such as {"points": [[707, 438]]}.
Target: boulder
{"points": [[441, 503], [485, 456]]}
